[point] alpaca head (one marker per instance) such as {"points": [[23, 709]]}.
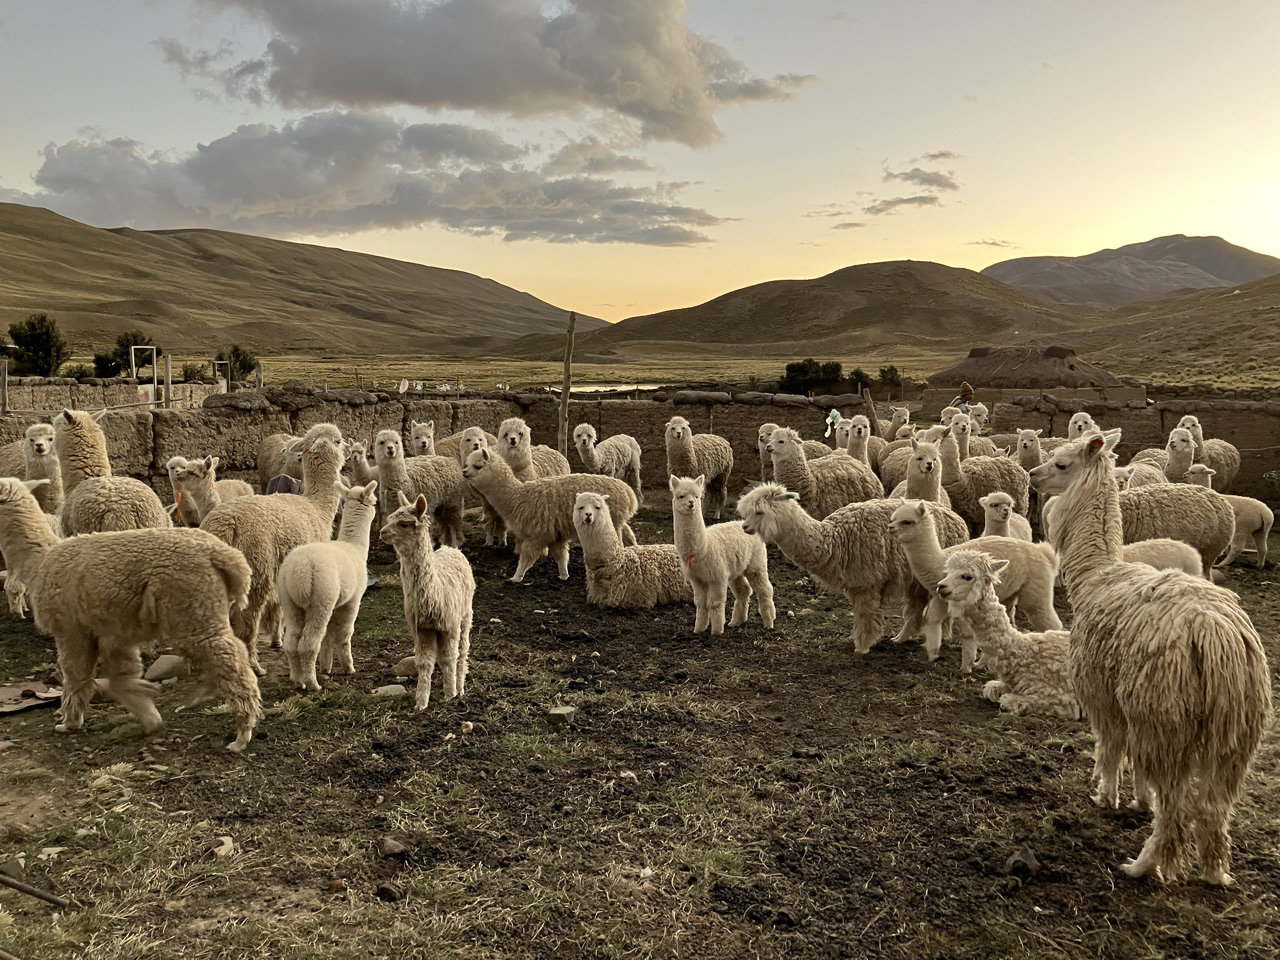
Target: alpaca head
{"points": [[925, 456], [1028, 439], [177, 468], [979, 414], [584, 436], [76, 429], [387, 447], [762, 435], [206, 469], [366, 496], [905, 432], [17, 492], [358, 450], [590, 511], [910, 518], [422, 438], [39, 439], [961, 426], [842, 433], [1191, 423], [861, 426], [947, 413], [1080, 424], [998, 506], [901, 417], [764, 510], [1200, 475], [483, 467], [471, 440], [1123, 476], [686, 495], [407, 523], [513, 435], [785, 444], [1181, 441], [1071, 462], [967, 577]]}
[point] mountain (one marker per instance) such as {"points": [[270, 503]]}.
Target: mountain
{"points": [[1140, 270], [204, 289], [839, 314]]}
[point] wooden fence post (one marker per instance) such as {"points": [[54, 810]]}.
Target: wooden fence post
{"points": [[168, 381], [4, 386], [565, 386], [871, 413]]}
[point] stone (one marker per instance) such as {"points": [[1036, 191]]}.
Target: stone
{"points": [[701, 396], [247, 400], [561, 717], [408, 667], [1022, 863], [167, 667], [337, 885], [390, 690], [391, 847], [13, 868], [222, 847], [753, 397], [390, 892], [789, 400]]}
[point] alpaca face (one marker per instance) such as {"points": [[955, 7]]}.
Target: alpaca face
{"points": [[200, 469], [966, 576], [1071, 461], [584, 436], [761, 510], [590, 509], [1200, 475], [926, 458], [1027, 439], [960, 425], [686, 495], [979, 415], [422, 438], [472, 439], [677, 429], [998, 506], [513, 434], [479, 465], [39, 438], [1123, 476], [861, 426], [1079, 425], [785, 442], [843, 429], [388, 447], [1180, 441], [906, 520], [401, 528]]}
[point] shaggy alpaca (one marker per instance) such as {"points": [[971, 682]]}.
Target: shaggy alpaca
{"points": [[1080, 424], [197, 489], [1171, 464], [321, 586], [96, 501], [1167, 667], [528, 462], [104, 597], [924, 476], [824, 485], [35, 457], [1179, 511], [617, 456], [638, 577], [266, 529], [763, 436], [362, 471], [896, 456], [439, 479], [539, 513], [850, 553], [1254, 519], [855, 437], [1164, 554], [422, 442], [968, 481], [1141, 474], [1002, 520], [469, 441], [718, 559], [704, 454], [979, 415], [280, 453], [1223, 457], [967, 441], [439, 590], [1032, 674]]}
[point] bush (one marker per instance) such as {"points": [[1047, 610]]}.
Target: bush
{"points": [[115, 362], [859, 379], [104, 365], [192, 371], [40, 347], [805, 375], [77, 371], [241, 361], [890, 377]]}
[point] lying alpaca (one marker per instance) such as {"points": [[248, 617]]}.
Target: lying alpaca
{"points": [[639, 577]]}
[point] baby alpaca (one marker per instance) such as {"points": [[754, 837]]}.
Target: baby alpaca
{"points": [[439, 590], [638, 577], [716, 559], [1002, 519], [321, 586], [1253, 518], [1032, 669]]}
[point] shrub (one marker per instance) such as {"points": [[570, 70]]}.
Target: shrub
{"points": [[134, 338], [104, 365], [859, 379], [890, 377], [77, 371], [40, 347], [805, 375], [192, 371], [241, 361]]}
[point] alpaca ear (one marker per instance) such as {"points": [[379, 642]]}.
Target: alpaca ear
{"points": [[984, 500], [370, 487], [920, 508], [34, 485], [484, 454], [946, 431], [604, 496], [1038, 432], [915, 445], [671, 483], [1112, 439], [791, 496], [701, 484], [100, 414], [997, 567], [404, 501], [420, 505], [211, 463], [65, 415], [341, 489]]}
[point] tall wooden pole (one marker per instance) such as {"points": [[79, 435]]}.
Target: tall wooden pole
{"points": [[871, 413], [4, 386], [565, 386], [168, 381]]}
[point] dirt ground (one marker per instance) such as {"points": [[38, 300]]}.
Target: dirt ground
{"points": [[759, 794]]}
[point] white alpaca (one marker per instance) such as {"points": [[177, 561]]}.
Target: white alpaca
{"points": [[924, 476], [96, 501], [439, 591], [824, 485], [35, 457], [197, 489], [617, 456], [279, 453], [1223, 457], [968, 481], [528, 462], [639, 577], [1080, 424], [718, 559], [321, 586], [437, 478], [1254, 518], [1002, 520], [703, 454]]}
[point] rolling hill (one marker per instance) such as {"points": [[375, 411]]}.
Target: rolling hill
{"points": [[204, 289], [1138, 271]]}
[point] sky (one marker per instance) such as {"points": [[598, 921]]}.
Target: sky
{"points": [[620, 157]]}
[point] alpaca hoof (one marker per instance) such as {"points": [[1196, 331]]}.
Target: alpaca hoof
{"points": [[1135, 869], [1137, 805], [1112, 803], [156, 727], [258, 668], [238, 744], [64, 728], [1219, 878]]}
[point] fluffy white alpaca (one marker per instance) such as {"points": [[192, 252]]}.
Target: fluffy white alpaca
{"points": [[96, 501], [35, 457], [1167, 667], [1002, 519], [1032, 672], [1223, 457], [824, 485], [527, 461], [924, 475], [197, 489], [718, 559], [617, 456], [1254, 518], [321, 586], [639, 577], [1080, 424], [279, 453], [439, 592], [703, 454]]}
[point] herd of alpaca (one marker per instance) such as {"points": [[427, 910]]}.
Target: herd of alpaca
{"points": [[1163, 664]]}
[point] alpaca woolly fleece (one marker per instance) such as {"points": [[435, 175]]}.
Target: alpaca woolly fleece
{"points": [[967, 442], [1179, 511], [968, 481], [857, 440], [1164, 554], [103, 597], [1032, 669], [539, 513], [439, 594], [1002, 520], [617, 456], [197, 487], [1254, 519], [1172, 462], [1167, 667], [528, 462], [321, 586], [924, 476], [265, 529], [96, 501], [700, 455], [1080, 424], [279, 453], [824, 485], [850, 553], [637, 577], [1221, 456], [718, 559], [895, 456], [438, 479]]}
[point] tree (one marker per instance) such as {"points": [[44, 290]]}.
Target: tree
{"points": [[116, 361], [805, 375], [40, 347], [890, 376], [859, 379], [241, 361]]}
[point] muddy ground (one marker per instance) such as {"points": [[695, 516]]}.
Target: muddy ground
{"points": [[761, 794]]}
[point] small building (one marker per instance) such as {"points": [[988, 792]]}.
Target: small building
{"points": [[1036, 368]]}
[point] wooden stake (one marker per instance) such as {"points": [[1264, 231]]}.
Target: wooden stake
{"points": [[565, 386], [871, 412], [4, 386], [168, 381]]}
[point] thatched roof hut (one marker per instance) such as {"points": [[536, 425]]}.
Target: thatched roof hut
{"points": [[1012, 367]]}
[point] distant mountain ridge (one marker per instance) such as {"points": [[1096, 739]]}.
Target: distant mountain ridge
{"points": [[204, 289], [1154, 268]]}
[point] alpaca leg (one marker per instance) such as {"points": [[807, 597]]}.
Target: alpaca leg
{"points": [[342, 626], [122, 664], [224, 659], [425, 652], [1165, 851], [1110, 754], [245, 623], [633, 479], [702, 615], [77, 658], [310, 642], [1017, 704], [1260, 544], [1039, 612], [560, 553], [935, 613], [759, 580], [1214, 806], [741, 601], [529, 554], [1143, 795], [968, 647], [464, 654], [450, 647], [450, 518], [993, 690], [717, 596], [868, 622]]}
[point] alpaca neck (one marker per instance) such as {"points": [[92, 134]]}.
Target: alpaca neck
{"points": [[204, 495], [499, 487], [793, 472], [990, 621], [318, 485], [25, 539], [1030, 457], [690, 532], [924, 486], [599, 542], [923, 551], [417, 571], [681, 459], [996, 527], [355, 523], [360, 469], [858, 447], [590, 460], [518, 458], [962, 446], [1177, 464], [951, 472], [798, 536], [1087, 530], [1197, 454]]}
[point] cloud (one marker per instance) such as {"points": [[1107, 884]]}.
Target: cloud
{"points": [[881, 207], [929, 179], [631, 58], [829, 210], [348, 171], [589, 155], [1004, 244], [939, 155], [848, 225]]}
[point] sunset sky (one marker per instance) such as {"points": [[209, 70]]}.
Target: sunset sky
{"points": [[620, 157]]}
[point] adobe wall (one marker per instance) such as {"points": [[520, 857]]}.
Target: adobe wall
{"points": [[233, 425], [51, 394]]}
